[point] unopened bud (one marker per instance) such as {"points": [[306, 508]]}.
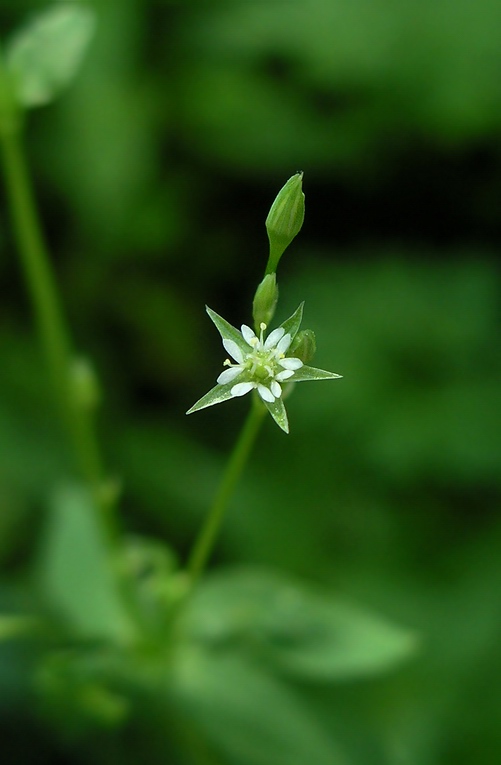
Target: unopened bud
{"points": [[265, 301], [285, 219], [304, 346]]}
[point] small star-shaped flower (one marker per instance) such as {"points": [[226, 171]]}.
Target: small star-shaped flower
{"points": [[260, 364]]}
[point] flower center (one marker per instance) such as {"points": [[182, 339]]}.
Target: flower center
{"points": [[262, 362]]}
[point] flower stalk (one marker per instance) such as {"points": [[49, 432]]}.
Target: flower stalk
{"points": [[207, 536], [261, 364]]}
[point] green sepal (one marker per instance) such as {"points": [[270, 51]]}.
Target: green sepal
{"points": [[216, 395], [226, 330], [304, 346], [277, 411], [310, 373], [292, 324]]}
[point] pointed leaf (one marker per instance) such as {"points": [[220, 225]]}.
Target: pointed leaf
{"points": [[278, 412], [292, 324], [45, 55], [296, 628], [216, 395], [306, 374], [76, 573]]}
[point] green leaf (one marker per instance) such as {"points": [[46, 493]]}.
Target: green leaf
{"points": [[14, 626], [75, 570], [292, 324], [297, 629], [45, 54], [248, 716]]}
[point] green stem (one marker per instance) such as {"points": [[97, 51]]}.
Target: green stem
{"points": [[47, 309], [206, 539]]}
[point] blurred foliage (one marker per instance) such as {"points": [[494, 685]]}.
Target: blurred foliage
{"points": [[154, 175]]}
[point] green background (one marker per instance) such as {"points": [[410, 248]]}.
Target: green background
{"points": [[154, 174]]}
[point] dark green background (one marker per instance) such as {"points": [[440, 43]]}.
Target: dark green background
{"points": [[154, 175]]}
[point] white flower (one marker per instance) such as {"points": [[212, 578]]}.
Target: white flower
{"points": [[261, 365]]}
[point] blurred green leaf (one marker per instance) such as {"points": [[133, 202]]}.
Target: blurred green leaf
{"points": [[297, 629], [46, 53], [74, 689], [13, 626], [75, 570], [149, 570], [248, 715]]}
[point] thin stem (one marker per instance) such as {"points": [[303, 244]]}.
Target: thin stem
{"points": [[48, 312], [206, 539]]}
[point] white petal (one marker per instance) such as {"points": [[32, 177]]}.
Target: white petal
{"points": [[265, 393], [284, 343], [228, 375], [273, 338], [291, 363], [247, 334], [232, 348], [276, 389], [284, 375], [240, 389]]}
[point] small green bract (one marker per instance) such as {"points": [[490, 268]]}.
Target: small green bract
{"points": [[260, 363]]}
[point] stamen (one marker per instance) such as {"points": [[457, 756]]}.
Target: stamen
{"points": [[262, 327]]}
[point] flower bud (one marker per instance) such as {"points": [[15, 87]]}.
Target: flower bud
{"points": [[265, 301], [304, 346], [285, 219]]}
